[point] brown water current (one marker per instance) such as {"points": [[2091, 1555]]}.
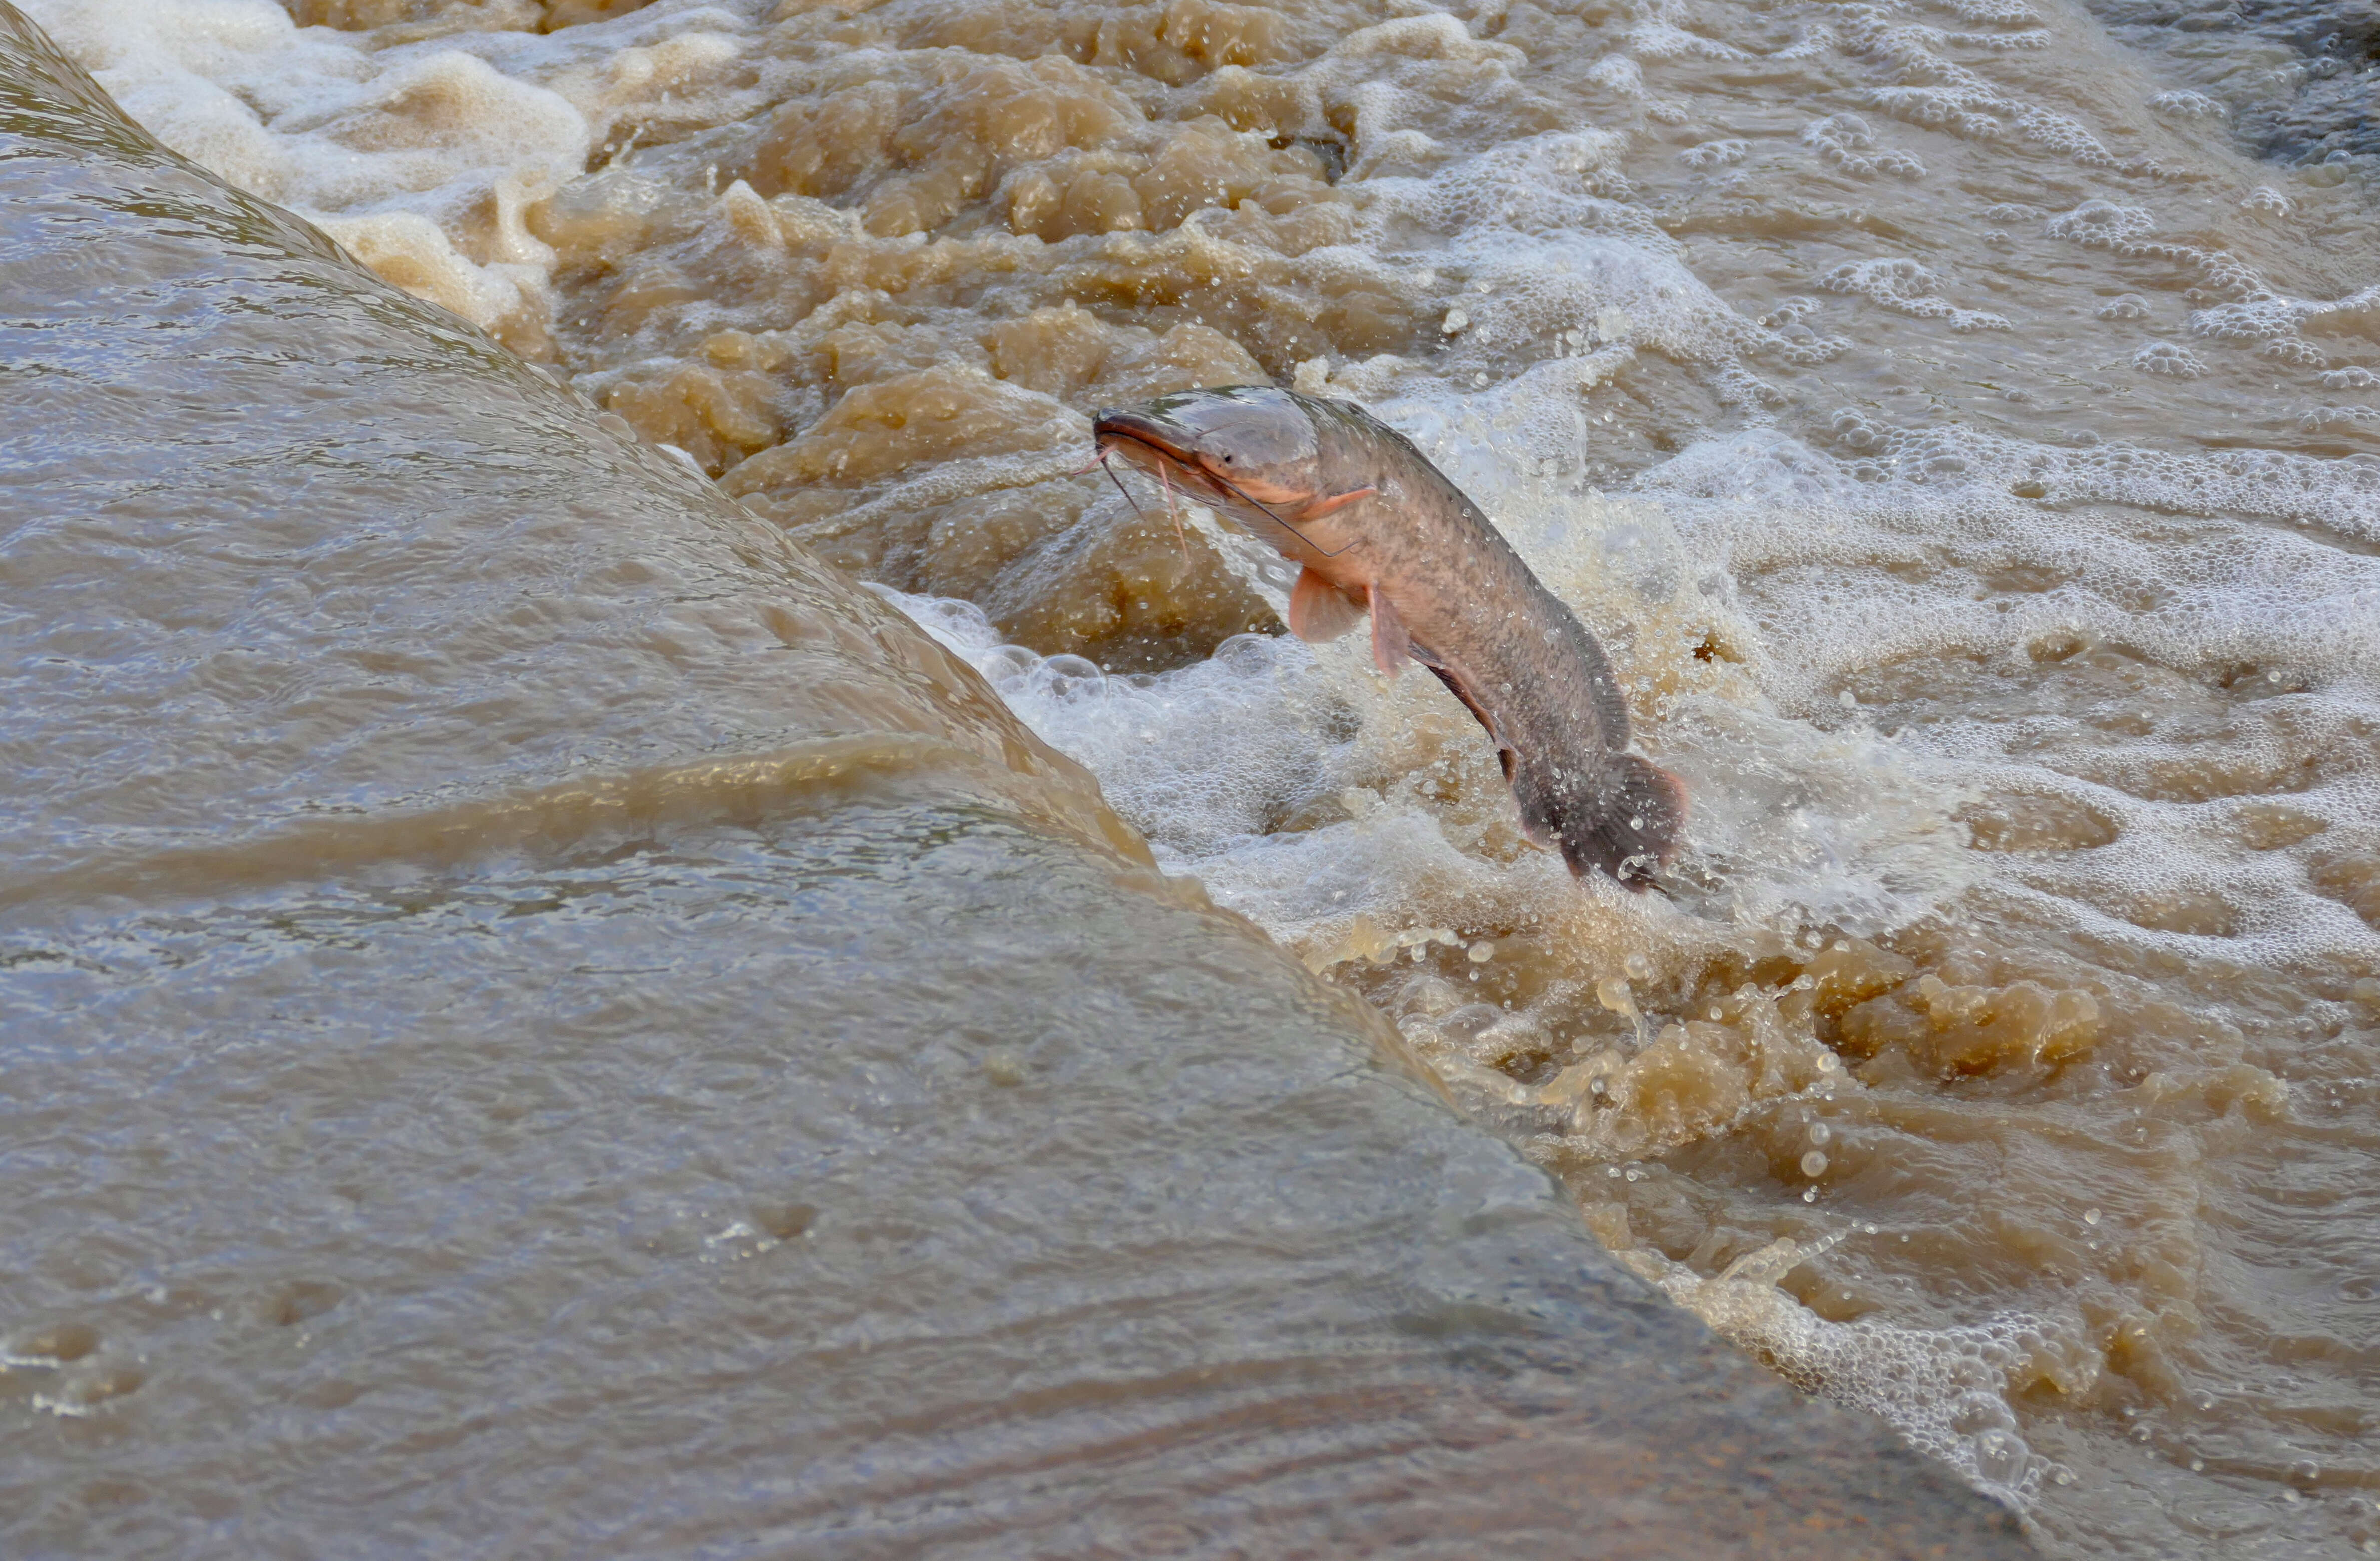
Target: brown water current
{"points": [[539, 1021], [1969, 454]]}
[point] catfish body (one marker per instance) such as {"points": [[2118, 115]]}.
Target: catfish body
{"points": [[1377, 526]]}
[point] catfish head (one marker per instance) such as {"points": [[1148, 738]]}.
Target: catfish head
{"points": [[1251, 449]]}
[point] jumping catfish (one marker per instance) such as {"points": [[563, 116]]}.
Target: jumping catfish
{"points": [[1377, 526]]}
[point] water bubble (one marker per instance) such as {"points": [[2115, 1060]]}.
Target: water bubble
{"points": [[2001, 1457], [1813, 1163], [1972, 1413], [1820, 1132]]}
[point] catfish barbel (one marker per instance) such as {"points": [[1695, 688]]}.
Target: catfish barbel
{"points": [[1377, 526]]}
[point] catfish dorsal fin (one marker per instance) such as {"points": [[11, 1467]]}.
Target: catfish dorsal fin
{"points": [[1392, 643], [1319, 611]]}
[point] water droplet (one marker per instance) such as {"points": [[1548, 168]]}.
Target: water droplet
{"points": [[1813, 1163], [1820, 1132], [2090, 1216]]}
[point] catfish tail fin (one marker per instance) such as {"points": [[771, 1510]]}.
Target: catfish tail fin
{"points": [[1627, 820]]}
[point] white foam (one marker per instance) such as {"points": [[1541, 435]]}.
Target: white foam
{"points": [[1945, 1388], [1204, 760], [1906, 287], [1845, 141], [417, 156], [2183, 103]]}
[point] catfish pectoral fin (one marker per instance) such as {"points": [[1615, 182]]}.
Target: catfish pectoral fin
{"points": [[1319, 611], [1391, 645], [1627, 821], [1322, 507]]}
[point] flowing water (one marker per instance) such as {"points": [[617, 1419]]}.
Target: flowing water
{"points": [[1968, 449], [539, 1021]]}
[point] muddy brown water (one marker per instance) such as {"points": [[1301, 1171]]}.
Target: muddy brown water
{"points": [[1968, 451], [542, 1022]]}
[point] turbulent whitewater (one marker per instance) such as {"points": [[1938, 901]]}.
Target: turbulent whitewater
{"points": [[1967, 449]]}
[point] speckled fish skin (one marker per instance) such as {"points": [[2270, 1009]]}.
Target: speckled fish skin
{"points": [[1378, 526]]}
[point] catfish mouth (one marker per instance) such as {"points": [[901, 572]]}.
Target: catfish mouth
{"points": [[1156, 446], [1144, 440]]}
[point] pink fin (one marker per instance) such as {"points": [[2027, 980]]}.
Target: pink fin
{"points": [[1319, 611], [1391, 645], [1322, 507]]}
